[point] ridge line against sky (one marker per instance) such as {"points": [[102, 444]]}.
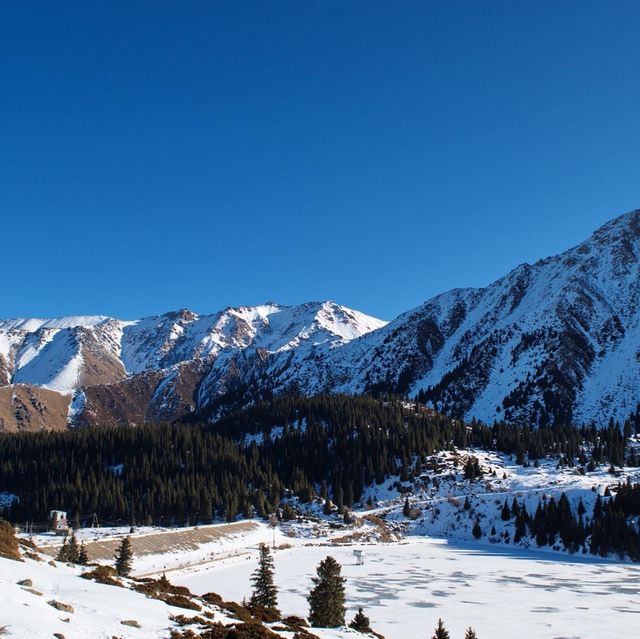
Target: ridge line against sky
{"points": [[271, 302], [223, 154]]}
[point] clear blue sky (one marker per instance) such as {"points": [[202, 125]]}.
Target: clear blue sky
{"points": [[160, 155]]}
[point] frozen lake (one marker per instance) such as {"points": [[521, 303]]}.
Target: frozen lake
{"points": [[405, 587]]}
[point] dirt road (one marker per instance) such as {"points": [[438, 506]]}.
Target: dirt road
{"points": [[156, 543]]}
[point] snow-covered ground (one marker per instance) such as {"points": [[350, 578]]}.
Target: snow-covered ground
{"points": [[98, 609], [405, 587], [40, 600], [437, 570]]}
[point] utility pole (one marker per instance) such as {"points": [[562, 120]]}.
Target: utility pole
{"points": [[273, 522]]}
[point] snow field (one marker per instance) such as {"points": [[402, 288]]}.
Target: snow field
{"points": [[98, 609], [405, 587]]}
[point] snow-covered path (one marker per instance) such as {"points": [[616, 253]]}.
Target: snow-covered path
{"points": [[405, 587]]}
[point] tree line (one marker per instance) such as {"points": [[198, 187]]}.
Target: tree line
{"points": [[328, 446], [610, 529]]}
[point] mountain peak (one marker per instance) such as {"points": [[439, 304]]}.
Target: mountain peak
{"points": [[625, 226]]}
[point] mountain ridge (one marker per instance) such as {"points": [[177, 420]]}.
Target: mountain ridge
{"points": [[550, 342]]}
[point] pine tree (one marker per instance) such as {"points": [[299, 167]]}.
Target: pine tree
{"points": [[288, 513], [597, 508], [265, 593], [581, 509], [470, 634], [360, 622], [477, 531], [73, 552], [506, 512], [63, 553], [124, 558], [521, 527], [406, 511], [83, 557], [327, 599], [472, 469], [441, 631]]}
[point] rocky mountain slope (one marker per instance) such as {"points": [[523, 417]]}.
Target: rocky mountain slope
{"points": [[558, 340], [113, 371]]}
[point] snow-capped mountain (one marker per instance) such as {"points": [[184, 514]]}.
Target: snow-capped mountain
{"points": [[558, 340], [164, 366]]}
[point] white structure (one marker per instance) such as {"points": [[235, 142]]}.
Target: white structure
{"points": [[359, 555], [58, 522]]}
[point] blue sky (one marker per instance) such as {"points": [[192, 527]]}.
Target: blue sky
{"points": [[160, 155]]}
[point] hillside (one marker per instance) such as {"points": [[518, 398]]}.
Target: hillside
{"points": [[42, 598], [325, 454], [556, 341]]}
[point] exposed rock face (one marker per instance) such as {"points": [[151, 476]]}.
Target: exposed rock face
{"points": [[555, 341], [32, 408], [113, 372]]}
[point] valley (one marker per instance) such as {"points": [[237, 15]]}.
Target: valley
{"points": [[419, 565], [482, 451]]}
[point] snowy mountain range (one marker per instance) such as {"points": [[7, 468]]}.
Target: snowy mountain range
{"points": [[156, 368], [558, 340]]}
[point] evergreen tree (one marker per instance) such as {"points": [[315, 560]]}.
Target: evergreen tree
{"points": [[581, 509], [597, 508], [406, 511], [265, 593], [441, 631], [521, 526], [348, 443], [327, 599], [63, 553], [73, 551], [124, 558], [360, 622], [83, 557], [288, 513], [472, 469], [477, 531], [470, 634]]}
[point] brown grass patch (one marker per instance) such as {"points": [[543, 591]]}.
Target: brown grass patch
{"points": [[9, 548], [103, 575]]}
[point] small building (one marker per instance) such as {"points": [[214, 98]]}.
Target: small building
{"points": [[359, 555], [58, 523]]}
